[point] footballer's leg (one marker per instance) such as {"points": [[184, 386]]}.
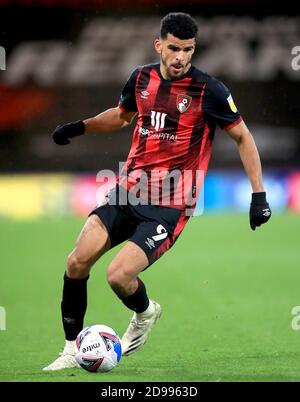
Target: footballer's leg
{"points": [[93, 241], [151, 239], [122, 275]]}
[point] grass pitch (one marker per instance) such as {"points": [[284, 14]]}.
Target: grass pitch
{"points": [[226, 293]]}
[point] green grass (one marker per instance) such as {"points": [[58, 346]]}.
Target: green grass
{"points": [[226, 292]]}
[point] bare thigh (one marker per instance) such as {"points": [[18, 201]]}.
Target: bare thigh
{"points": [[93, 241]]}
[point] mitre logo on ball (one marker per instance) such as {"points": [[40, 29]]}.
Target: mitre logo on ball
{"points": [[183, 102]]}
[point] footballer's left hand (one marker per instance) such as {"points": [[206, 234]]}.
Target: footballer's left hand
{"points": [[260, 211]]}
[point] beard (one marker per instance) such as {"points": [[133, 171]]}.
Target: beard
{"points": [[172, 74]]}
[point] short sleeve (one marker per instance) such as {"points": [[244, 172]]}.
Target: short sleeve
{"points": [[218, 105], [127, 99]]}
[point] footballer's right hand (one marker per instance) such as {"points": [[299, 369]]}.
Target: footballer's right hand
{"points": [[62, 134]]}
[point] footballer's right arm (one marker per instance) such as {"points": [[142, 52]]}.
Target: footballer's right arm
{"points": [[109, 120]]}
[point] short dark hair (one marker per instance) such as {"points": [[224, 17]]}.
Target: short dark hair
{"points": [[180, 25]]}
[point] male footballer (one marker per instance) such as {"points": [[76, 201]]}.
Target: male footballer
{"points": [[178, 108]]}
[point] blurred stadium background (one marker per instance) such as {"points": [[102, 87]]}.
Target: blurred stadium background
{"points": [[67, 60]]}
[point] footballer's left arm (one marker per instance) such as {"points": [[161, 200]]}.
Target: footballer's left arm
{"points": [[249, 155], [260, 211]]}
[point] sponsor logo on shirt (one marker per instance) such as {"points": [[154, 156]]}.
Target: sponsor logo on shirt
{"points": [[158, 119], [145, 132]]}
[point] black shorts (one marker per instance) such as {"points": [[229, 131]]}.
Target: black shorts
{"points": [[153, 228]]}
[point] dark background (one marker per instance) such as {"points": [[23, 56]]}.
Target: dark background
{"points": [[34, 98]]}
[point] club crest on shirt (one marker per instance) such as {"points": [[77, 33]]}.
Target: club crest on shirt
{"points": [[183, 102]]}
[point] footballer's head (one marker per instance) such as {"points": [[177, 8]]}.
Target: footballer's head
{"points": [[176, 44]]}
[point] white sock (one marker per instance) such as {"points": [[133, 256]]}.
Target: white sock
{"points": [[150, 310], [69, 347]]}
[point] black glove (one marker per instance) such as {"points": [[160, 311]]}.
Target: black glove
{"points": [[260, 211], [62, 133]]}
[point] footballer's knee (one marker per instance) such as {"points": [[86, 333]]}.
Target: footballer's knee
{"points": [[120, 279], [77, 267]]}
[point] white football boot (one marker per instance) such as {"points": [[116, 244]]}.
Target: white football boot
{"points": [[65, 360], [139, 328]]}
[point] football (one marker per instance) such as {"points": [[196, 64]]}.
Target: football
{"points": [[98, 348]]}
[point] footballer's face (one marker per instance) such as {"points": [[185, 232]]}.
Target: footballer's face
{"points": [[175, 55]]}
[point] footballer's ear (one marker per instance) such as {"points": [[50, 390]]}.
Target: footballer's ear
{"points": [[157, 45]]}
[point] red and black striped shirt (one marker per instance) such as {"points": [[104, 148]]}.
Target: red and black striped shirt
{"points": [[173, 137]]}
